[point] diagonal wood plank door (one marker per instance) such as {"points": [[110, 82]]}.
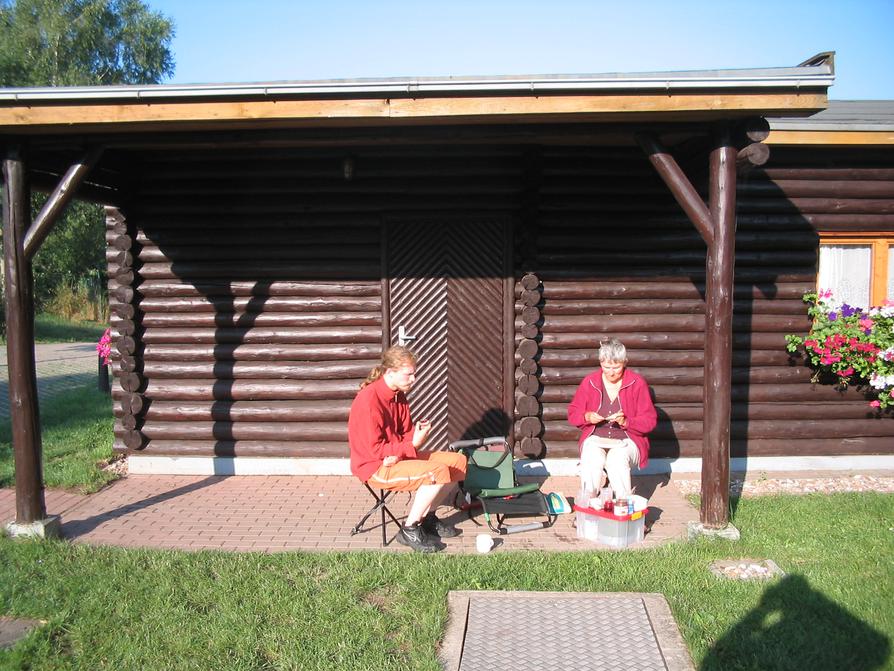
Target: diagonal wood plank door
{"points": [[447, 290]]}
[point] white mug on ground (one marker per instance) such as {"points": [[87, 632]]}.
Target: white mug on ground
{"points": [[483, 543]]}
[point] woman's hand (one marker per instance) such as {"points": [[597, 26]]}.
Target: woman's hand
{"points": [[618, 418], [420, 432], [593, 418]]}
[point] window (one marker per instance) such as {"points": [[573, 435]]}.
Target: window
{"points": [[858, 269]]}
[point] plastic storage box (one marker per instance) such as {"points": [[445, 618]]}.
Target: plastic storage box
{"points": [[609, 529]]}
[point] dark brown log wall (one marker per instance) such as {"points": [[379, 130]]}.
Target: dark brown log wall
{"points": [[246, 289], [619, 260]]}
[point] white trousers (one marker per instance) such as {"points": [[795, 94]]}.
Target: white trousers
{"points": [[614, 457]]}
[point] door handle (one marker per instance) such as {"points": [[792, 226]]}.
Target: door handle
{"points": [[404, 338]]}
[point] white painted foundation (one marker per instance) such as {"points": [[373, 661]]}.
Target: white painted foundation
{"points": [[145, 465]]}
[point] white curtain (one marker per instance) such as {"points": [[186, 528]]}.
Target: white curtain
{"points": [[847, 271], [890, 293]]}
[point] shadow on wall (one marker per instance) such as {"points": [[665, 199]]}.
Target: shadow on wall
{"points": [[795, 627]]}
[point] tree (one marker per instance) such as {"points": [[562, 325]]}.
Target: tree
{"points": [[83, 42], [78, 43]]}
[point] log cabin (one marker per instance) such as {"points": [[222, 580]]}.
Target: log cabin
{"points": [[267, 241]]}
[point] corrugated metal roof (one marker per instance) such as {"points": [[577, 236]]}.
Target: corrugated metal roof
{"points": [[844, 115], [815, 73]]}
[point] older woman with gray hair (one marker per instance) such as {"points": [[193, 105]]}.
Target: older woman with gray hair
{"points": [[613, 410]]}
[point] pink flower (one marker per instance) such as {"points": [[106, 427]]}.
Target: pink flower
{"points": [[824, 293], [866, 323], [874, 404]]}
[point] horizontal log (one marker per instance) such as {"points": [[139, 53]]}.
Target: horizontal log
{"points": [[527, 406], [226, 288], [131, 403], [122, 243], [133, 440], [129, 422], [257, 370], [304, 431], [755, 129], [345, 252], [528, 385], [264, 336], [824, 174], [259, 271], [669, 322], [128, 363], [124, 311], [817, 205], [758, 447], [683, 288], [844, 410], [820, 222], [529, 282], [319, 234], [247, 448], [124, 294], [652, 306], [263, 352], [260, 319], [249, 411], [531, 447], [809, 188], [528, 427], [125, 344], [530, 298], [124, 277], [124, 259], [527, 348], [658, 260], [530, 315], [688, 375], [254, 390], [646, 359], [752, 156], [126, 327], [256, 304], [752, 393], [131, 382], [558, 240], [527, 330], [693, 273], [527, 367], [748, 430], [658, 341]]}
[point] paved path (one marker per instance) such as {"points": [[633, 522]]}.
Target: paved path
{"points": [[279, 513], [60, 366]]}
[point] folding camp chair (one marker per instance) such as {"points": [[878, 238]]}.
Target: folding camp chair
{"points": [[381, 504], [490, 477]]}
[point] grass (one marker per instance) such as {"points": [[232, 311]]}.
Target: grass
{"points": [[76, 429], [141, 609], [52, 329]]}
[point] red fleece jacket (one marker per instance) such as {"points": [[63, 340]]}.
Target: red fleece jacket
{"points": [[635, 402], [379, 426]]}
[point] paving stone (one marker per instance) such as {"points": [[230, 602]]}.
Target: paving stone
{"points": [[12, 630]]}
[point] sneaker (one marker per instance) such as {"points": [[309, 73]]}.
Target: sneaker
{"points": [[435, 527], [416, 538]]}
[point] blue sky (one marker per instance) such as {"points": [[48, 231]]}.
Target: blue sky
{"points": [[273, 40]]}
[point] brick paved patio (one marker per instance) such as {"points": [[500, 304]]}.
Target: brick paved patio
{"points": [[279, 513]]}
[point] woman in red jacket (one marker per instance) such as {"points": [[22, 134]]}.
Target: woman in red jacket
{"points": [[614, 412]]}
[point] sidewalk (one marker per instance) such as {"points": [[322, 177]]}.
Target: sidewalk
{"points": [[60, 367], [314, 513]]}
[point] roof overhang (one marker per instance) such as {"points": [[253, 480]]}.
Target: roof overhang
{"points": [[672, 97]]}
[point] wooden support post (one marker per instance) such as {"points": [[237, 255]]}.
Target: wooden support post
{"points": [[718, 333], [30, 506]]}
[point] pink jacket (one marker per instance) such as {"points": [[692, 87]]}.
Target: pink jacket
{"points": [[635, 402]]}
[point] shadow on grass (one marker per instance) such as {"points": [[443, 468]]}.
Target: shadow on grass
{"points": [[795, 627]]}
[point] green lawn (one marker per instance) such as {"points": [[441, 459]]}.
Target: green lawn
{"points": [[50, 328], [76, 430], [126, 609]]}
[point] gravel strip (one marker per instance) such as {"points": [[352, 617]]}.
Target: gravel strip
{"points": [[767, 486]]}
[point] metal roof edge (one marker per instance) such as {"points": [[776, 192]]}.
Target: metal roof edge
{"points": [[817, 72]]}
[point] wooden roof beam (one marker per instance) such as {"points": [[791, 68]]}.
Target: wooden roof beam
{"points": [[60, 197], [680, 186]]}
